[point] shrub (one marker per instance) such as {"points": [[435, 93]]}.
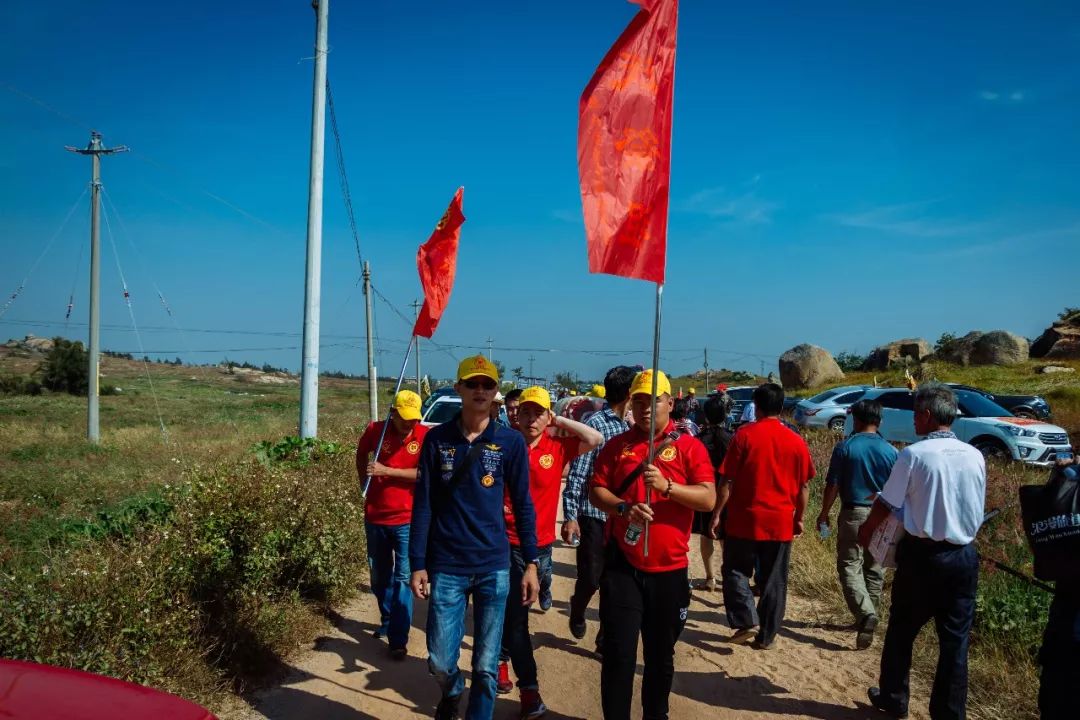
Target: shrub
{"points": [[1070, 315], [945, 343], [849, 361], [19, 385], [66, 368]]}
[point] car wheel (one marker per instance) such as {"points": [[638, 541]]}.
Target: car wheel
{"points": [[1025, 413], [991, 448], [837, 424]]}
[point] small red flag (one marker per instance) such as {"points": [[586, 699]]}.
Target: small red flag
{"points": [[437, 262], [624, 147]]}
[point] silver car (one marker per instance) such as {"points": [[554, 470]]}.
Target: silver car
{"points": [[828, 409]]}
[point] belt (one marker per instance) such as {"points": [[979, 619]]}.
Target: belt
{"points": [[931, 544]]}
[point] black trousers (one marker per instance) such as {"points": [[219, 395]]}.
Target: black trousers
{"points": [[933, 581], [1060, 676], [654, 605], [769, 558], [590, 566]]}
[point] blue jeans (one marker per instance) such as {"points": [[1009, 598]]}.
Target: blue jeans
{"points": [[388, 562], [446, 630], [516, 644]]}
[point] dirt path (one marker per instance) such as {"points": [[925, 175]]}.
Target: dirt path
{"points": [[812, 671]]}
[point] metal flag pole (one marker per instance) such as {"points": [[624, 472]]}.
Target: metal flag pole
{"points": [[382, 435], [652, 412]]}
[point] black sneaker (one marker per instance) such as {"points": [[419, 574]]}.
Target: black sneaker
{"points": [[577, 628], [865, 638], [448, 708], [880, 703], [398, 653]]}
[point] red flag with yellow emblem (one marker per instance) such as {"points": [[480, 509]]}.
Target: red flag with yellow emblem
{"points": [[437, 262], [624, 147]]}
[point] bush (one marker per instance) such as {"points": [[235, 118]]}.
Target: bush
{"points": [[849, 361], [195, 587], [19, 385], [945, 343], [66, 368]]}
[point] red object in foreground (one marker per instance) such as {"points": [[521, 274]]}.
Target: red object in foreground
{"points": [[437, 262], [624, 147], [29, 691]]}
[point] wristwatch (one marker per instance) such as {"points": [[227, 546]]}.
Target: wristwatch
{"points": [[620, 509]]}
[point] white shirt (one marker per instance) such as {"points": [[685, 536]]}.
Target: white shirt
{"points": [[749, 413], [940, 486]]}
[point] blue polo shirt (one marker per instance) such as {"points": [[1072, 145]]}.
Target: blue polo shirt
{"points": [[860, 465], [462, 531]]}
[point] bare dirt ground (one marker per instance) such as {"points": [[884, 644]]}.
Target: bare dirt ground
{"points": [[813, 670]]}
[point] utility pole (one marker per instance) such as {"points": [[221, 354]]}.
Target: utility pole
{"points": [[309, 373], [372, 373], [531, 359], [95, 150], [707, 385], [489, 341], [416, 305]]}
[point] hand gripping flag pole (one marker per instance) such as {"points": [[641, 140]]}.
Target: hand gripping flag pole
{"points": [[624, 160], [436, 261]]}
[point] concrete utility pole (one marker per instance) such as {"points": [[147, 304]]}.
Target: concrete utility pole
{"points": [[416, 305], [372, 372], [707, 385], [95, 150], [489, 341], [309, 374], [531, 359]]}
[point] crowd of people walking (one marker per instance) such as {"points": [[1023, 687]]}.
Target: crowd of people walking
{"points": [[466, 514]]}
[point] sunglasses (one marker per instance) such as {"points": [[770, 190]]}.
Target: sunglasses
{"points": [[486, 384]]}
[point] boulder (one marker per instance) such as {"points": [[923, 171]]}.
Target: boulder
{"points": [[1051, 369], [881, 357], [1060, 340], [997, 347], [805, 366]]}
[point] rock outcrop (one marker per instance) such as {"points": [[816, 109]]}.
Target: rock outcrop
{"points": [[881, 357], [805, 366], [997, 347]]}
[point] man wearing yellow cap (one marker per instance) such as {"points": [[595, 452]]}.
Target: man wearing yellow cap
{"points": [[458, 545], [548, 455], [645, 587], [388, 511]]}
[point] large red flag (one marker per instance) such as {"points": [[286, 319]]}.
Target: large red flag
{"points": [[437, 262], [624, 146]]}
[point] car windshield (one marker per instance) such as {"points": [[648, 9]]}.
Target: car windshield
{"points": [[741, 393], [822, 397], [975, 405], [443, 412]]}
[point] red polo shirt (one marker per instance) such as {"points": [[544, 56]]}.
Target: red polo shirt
{"points": [[686, 462], [390, 500], [767, 465], [546, 463]]}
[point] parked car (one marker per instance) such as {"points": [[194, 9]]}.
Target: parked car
{"points": [[435, 395], [740, 396], [1028, 406], [992, 429], [828, 409], [445, 408]]}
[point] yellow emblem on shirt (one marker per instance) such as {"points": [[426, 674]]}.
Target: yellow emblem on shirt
{"points": [[547, 460], [628, 450], [668, 453], [412, 448], [487, 481]]}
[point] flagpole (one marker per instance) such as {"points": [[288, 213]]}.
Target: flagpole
{"points": [[382, 435], [652, 413]]}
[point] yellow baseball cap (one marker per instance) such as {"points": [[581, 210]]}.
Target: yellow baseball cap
{"points": [[477, 366], [693, 391], [536, 394], [598, 391], [407, 404], [643, 383]]}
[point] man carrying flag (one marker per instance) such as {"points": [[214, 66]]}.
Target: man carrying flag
{"points": [[387, 512], [458, 545], [548, 455], [647, 591]]}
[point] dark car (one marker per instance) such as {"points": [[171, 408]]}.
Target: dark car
{"points": [[1025, 406]]}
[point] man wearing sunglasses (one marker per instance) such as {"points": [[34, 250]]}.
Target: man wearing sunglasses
{"points": [[458, 544]]}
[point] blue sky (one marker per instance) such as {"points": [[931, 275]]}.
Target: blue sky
{"points": [[844, 173]]}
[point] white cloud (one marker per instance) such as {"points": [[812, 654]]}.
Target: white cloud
{"points": [[908, 219], [993, 96], [988, 95], [717, 202], [1016, 96]]}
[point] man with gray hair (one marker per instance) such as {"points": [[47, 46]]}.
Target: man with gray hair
{"points": [[939, 487]]}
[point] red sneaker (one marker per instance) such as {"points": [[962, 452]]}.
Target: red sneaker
{"points": [[503, 686], [531, 704]]}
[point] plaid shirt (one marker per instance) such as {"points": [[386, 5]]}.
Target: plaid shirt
{"points": [[576, 493]]}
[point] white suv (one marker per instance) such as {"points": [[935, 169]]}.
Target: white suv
{"points": [[983, 423]]}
